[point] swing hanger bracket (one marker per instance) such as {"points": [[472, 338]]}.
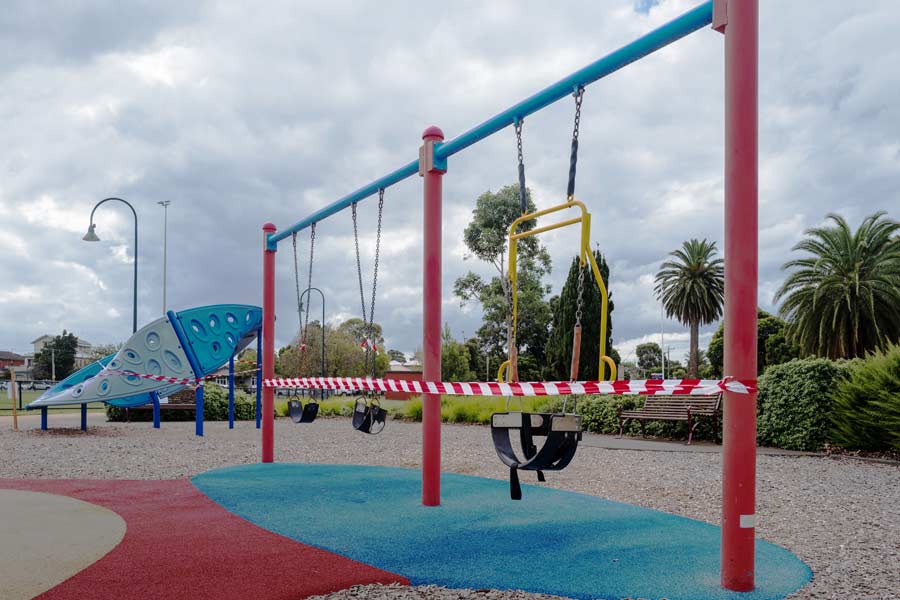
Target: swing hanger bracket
{"points": [[429, 161]]}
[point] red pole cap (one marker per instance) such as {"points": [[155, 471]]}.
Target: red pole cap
{"points": [[269, 227], [433, 132]]}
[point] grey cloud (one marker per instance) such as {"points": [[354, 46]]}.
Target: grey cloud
{"points": [[244, 115]]}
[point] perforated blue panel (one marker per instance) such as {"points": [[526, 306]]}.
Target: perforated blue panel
{"points": [[54, 395], [214, 333], [153, 350]]}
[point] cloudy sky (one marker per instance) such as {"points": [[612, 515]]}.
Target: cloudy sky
{"points": [[242, 113]]}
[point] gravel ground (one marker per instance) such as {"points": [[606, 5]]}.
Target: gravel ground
{"points": [[840, 515]]}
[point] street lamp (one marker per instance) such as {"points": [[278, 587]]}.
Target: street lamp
{"points": [[165, 204], [91, 236], [307, 293]]}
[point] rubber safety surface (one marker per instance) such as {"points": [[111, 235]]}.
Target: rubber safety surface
{"points": [[179, 544], [551, 541]]}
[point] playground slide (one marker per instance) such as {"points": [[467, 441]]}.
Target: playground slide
{"points": [[186, 345]]}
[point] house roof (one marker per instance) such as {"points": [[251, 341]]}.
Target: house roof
{"points": [[47, 336], [398, 368], [4, 355]]}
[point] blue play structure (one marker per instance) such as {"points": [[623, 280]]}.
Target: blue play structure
{"points": [[187, 345], [552, 542]]}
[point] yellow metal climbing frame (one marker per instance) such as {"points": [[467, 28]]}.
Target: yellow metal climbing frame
{"points": [[508, 370]]}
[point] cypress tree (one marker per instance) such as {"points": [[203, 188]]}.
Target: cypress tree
{"points": [[559, 342]]}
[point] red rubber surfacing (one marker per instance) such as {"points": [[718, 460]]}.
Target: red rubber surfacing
{"points": [[181, 544]]}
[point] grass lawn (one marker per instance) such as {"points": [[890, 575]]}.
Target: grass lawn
{"points": [[30, 395]]}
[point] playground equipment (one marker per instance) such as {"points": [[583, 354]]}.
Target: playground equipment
{"points": [[738, 21], [561, 431], [161, 358], [299, 412], [368, 416]]}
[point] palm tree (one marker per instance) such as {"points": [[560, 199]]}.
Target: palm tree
{"points": [[692, 289], [844, 300]]}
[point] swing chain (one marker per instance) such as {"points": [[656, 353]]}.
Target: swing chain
{"points": [[580, 304], [362, 297], [371, 328], [573, 158], [368, 316], [523, 201], [312, 244], [297, 285], [579, 96]]}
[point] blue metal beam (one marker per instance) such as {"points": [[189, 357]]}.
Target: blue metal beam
{"points": [[672, 31]]}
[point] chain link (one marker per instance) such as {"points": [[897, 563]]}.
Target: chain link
{"points": [[573, 155], [518, 127], [297, 285], [312, 245], [579, 96], [375, 277], [368, 316], [523, 193], [580, 304], [362, 296]]}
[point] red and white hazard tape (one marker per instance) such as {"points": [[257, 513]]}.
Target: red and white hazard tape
{"points": [[520, 388], [179, 380]]}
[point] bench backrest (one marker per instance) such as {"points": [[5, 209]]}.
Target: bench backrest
{"points": [[679, 404]]}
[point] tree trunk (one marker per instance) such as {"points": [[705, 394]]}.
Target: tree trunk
{"points": [[695, 349]]}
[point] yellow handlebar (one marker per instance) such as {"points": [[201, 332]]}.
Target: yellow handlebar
{"points": [[585, 256]]}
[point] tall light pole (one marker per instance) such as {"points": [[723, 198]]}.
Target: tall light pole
{"points": [[662, 341], [165, 204], [91, 236]]}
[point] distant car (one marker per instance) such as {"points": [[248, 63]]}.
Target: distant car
{"points": [[41, 385], [2, 385]]}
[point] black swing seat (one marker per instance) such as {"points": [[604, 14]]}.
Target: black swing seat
{"points": [[301, 413], [368, 417], [562, 433]]}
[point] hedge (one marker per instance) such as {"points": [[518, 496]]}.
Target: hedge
{"points": [[866, 410], [215, 407], [795, 402], [599, 413]]}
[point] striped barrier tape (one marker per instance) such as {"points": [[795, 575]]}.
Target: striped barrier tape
{"points": [[192, 381], [520, 388]]}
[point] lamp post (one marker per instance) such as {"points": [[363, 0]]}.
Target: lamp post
{"points": [[91, 236], [165, 204], [306, 293]]}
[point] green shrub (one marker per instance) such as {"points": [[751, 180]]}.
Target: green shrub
{"points": [[413, 409], [794, 403], [472, 409], [865, 413], [215, 407]]}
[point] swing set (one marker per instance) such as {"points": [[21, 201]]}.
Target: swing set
{"points": [[368, 414], [737, 20]]}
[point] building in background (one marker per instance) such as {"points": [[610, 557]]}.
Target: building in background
{"points": [[83, 354], [411, 371], [10, 359]]}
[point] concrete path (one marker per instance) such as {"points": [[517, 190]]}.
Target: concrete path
{"points": [[49, 538], [613, 442]]}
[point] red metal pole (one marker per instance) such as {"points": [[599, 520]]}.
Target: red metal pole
{"points": [[431, 305], [268, 357], [739, 19]]}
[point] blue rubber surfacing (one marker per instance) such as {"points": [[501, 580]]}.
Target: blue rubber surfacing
{"points": [[551, 542]]}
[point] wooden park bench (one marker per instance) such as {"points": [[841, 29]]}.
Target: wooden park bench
{"points": [[183, 400], [675, 408]]}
